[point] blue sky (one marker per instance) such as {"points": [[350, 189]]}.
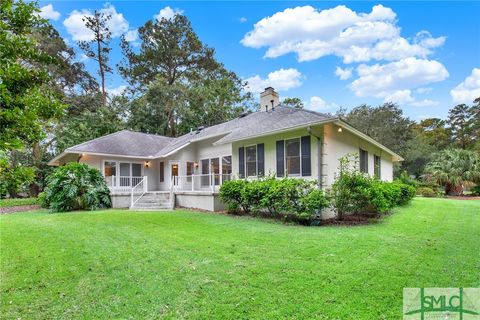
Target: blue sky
{"points": [[423, 55]]}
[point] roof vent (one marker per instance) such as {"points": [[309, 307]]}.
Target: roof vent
{"points": [[200, 129], [244, 114]]}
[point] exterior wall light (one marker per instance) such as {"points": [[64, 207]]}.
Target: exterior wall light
{"points": [[339, 129], [147, 164]]}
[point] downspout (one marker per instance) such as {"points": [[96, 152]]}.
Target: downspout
{"points": [[319, 157]]}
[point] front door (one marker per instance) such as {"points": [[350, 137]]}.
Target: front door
{"points": [[174, 171]]}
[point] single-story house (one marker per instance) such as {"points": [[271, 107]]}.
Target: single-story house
{"points": [[152, 171]]}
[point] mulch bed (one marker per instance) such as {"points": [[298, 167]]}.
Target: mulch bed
{"points": [[352, 220], [463, 197], [15, 209]]}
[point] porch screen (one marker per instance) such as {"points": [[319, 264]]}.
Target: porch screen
{"points": [[205, 180], [226, 168], [162, 171]]}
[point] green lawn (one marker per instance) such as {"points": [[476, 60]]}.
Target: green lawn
{"points": [[123, 264], [17, 202]]}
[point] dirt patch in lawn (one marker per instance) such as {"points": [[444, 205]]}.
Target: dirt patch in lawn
{"points": [[15, 209]]}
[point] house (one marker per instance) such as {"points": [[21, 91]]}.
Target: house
{"points": [[151, 171]]}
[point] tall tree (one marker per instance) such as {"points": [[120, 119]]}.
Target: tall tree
{"points": [[98, 48], [176, 79], [296, 103], [461, 121], [26, 97]]}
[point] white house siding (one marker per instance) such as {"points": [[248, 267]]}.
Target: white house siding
{"points": [[338, 144], [271, 153]]}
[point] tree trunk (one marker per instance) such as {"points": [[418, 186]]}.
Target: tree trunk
{"points": [[454, 190], [101, 71]]}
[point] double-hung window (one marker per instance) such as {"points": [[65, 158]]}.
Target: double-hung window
{"points": [[377, 160], [251, 160], [292, 156], [363, 161]]}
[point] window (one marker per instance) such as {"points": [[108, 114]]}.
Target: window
{"points": [[377, 161], [226, 168], [110, 171], [292, 156], [136, 170], [205, 180], [162, 172], [215, 163], [190, 171], [363, 161], [251, 157]]}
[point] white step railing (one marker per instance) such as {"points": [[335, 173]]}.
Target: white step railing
{"points": [[138, 190], [122, 183], [199, 182]]}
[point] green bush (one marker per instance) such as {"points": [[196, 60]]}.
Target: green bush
{"points": [[426, 192], [296, 200], [356, 192], [75, 186], [475, 190]]}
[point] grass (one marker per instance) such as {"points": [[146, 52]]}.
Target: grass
{"points": [[17, 202], [123, 264]]}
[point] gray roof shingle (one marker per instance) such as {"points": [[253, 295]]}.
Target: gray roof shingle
{"points": [[125, 142]]}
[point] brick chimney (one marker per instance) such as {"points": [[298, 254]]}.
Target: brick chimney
{"points": [[269, 99]]}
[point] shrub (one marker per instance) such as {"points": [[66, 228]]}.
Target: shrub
{"points": [[475, 190], [75, 186], [355, 192], [232, 194], [296, 200], [426, 192]]}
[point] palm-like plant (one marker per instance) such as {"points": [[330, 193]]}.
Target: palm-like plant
{"points": [[452, 167]]}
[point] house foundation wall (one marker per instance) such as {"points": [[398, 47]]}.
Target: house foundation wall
{"points": [[204, 201], [121, 200]]}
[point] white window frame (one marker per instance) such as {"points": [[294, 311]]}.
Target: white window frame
{"points": [[299, 138]]}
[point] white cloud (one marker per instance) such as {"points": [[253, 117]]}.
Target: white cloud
{"points": [[343, 74], [167, 13], [242, 20], [83, 57], [356, 37], [468, 90], [75, 26], [424, 90], [318, 104], [131, 35], [116, 91], [424, 103], [394, 81], [47, 12], [281, 80]]}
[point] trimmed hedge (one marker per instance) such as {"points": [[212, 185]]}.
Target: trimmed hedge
{"points": [[75, 186], [291, 199]]}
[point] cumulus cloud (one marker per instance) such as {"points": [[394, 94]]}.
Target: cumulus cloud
{"points": [[47, 12], [394, 81], [75, 26], [242, 20], [318, 104], [131, 35], [343, 74], [167, 13], [281, 80], [355, 37], [116, 91], [468, 90], [424, 90]]}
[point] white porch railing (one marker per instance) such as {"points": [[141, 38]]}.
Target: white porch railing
{"points": [[122, 183], [138, 190], [199, 182]]}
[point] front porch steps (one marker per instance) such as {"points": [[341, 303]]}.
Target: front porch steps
{"points": [[153, 201]]}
